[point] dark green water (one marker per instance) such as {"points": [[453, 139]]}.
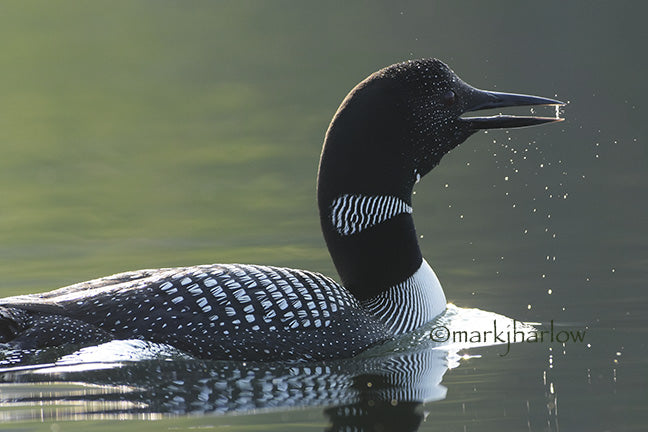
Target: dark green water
{"points": [[152, 134]]}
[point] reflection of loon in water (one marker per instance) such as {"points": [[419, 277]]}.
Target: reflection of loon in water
{"points": [[391, 130], [384, 388], [356, 393]]}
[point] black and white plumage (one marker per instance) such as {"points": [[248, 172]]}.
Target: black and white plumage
{"points": [[391, 129], [257, 311], [411, 303], [351, 214]]}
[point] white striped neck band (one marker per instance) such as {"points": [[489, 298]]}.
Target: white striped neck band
{"points": [[351, 214]]}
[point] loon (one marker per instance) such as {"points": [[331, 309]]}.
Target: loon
{"points": [[390, 131]]}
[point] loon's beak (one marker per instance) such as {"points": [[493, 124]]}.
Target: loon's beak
{"points": [[480, 100]]}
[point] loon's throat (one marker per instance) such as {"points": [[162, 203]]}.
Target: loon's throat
{"points": [[372, 240]]}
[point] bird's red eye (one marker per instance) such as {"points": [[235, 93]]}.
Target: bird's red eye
{"points": [[449, 98]]}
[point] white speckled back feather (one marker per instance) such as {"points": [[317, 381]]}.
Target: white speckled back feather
{"points": [[219, 311]]}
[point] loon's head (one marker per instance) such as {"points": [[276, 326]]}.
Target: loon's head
{"points": [[397, 124], [391, 130]]}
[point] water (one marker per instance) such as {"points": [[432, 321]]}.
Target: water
{"points": [[151, 134], [133, 379]]}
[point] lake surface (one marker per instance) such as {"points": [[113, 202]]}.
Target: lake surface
{"points": [[156, 134]]}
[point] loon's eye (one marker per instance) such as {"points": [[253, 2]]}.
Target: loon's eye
{"points": [[449, 98]]}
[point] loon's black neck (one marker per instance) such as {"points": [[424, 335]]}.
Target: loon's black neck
{"points": [[365, 191], [392, 129]]}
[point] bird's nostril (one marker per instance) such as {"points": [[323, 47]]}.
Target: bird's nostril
{"points": [[449, 98]]}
